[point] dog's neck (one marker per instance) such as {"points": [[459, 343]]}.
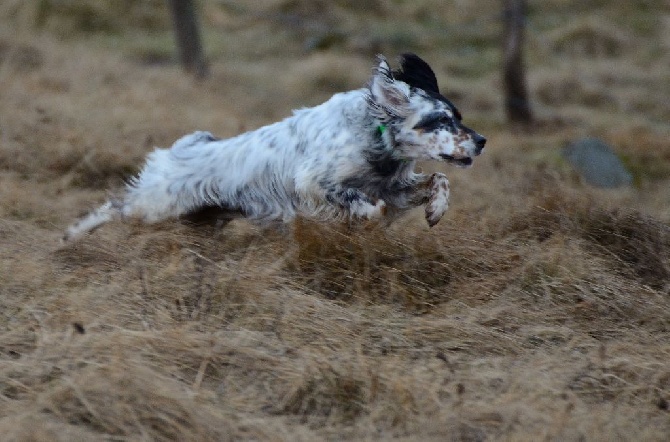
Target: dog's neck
{"points": [[381, 155]]}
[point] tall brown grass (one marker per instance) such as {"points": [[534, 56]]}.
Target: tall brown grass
{"points": [[538, 309]]}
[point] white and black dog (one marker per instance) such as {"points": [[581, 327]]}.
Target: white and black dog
{"points": [[352, 157]]}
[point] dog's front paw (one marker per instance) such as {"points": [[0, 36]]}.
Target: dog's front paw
{"points": [[438, 201]]}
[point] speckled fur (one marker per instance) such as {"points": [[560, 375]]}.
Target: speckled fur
{"points": [[331, 161]]}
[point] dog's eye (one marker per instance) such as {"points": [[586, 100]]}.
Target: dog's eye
{"points": [[433, 121]]}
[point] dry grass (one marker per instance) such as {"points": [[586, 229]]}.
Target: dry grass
{"points": [[538, 309]]}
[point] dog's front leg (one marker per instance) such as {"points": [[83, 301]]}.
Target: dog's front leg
{"points": [[357, 203], [433, 191], [438, 201]]}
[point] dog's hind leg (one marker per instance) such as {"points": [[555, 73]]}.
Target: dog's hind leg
{"points": [[109, 211]]}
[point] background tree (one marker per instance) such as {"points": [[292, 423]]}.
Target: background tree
{"points": [[187, 33], [514, 73]]}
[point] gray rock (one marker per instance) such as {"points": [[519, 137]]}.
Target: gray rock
{"points": [[597, 163]]}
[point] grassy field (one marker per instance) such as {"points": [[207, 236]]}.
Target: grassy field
{"points": [[538, 309]]}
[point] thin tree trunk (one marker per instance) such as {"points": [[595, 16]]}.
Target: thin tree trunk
{"points": [[187, 34], [514, 73]]}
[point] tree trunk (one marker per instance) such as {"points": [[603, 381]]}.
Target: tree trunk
{"points": [[187, 34], [514, 73]]}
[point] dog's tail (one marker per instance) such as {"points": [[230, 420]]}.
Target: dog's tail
{"points": [[109, 211]]}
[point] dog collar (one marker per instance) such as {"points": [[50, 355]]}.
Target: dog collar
{"points": [[380, 130]]}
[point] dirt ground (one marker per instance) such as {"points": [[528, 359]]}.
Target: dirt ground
{"points": [[538, 309]]}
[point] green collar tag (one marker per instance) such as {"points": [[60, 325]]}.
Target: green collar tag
{"points": [[381, 129]]}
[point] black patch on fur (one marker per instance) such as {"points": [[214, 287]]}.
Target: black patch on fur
{"points": [[345, 197], [350, 195], [416, 73], [301, 146], [382, 161], [211, 138], [435, 121], [385, 165]]}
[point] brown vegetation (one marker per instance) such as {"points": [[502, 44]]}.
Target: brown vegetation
{"points": [[538, 309]]}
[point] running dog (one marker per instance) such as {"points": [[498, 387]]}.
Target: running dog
{"points": [[352, 157]]}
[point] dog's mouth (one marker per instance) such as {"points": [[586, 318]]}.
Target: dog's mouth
{"points": [[462, 162]]}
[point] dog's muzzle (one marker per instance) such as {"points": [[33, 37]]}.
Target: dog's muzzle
{"points": [[479, 142]]}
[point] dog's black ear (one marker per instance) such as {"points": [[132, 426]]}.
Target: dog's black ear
{"points": [[389, 98], [416, 73]]}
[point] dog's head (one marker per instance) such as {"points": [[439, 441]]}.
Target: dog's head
{"points": [[420, 122]]}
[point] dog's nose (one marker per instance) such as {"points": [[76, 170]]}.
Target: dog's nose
{"points": [[480, 142]]}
